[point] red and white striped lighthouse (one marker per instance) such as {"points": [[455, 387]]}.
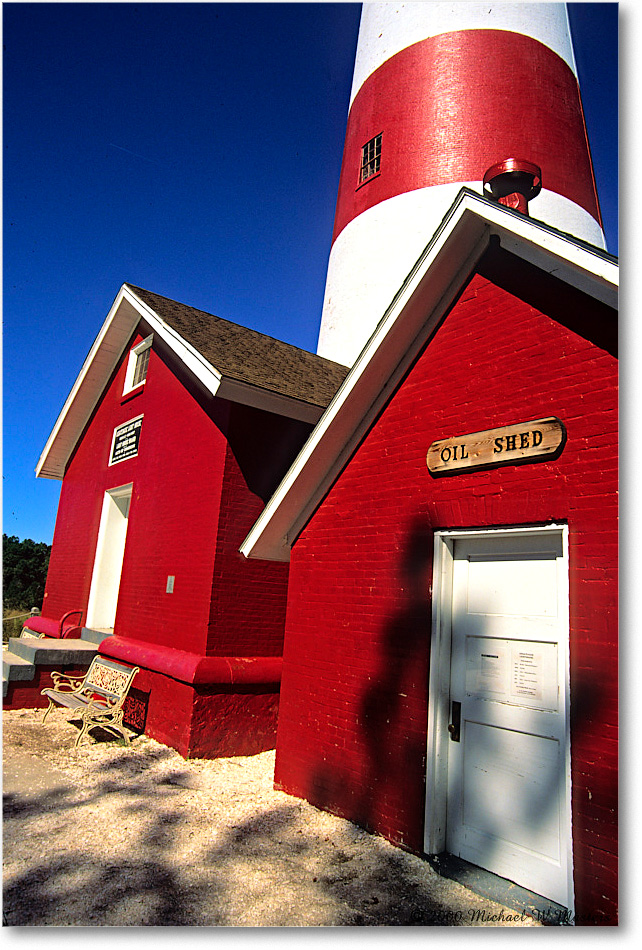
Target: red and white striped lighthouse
{"points": [[442, 92]]}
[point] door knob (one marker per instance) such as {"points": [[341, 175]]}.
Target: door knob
{"points": [[454, 726]]}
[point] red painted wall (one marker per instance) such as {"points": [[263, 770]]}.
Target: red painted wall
{"points": [[173, 516], [517, 345], [196, 493], [207, 721], [452, 105]]}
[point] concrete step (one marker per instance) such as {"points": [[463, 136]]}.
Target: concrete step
{"points": [[21, 657], [16, 667], [94, 636], [49, 652]]}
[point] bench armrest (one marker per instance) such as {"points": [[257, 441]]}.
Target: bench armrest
{"points": [[63, 683], [65, 618]]}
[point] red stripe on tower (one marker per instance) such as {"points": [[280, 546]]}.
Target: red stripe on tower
{"points": [[442, 92]]}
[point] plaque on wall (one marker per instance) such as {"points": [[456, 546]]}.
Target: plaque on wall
{"points": [[523, 442], [125, 441]]}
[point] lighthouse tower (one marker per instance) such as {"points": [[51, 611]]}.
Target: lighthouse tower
{"points": [[443, 92]]}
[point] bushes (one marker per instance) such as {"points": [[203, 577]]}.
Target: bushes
{"points": [[24, 572]]}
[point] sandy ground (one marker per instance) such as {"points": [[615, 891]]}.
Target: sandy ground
{"points": [[112, 836]]}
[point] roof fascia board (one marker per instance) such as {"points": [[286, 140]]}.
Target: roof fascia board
{"points": [[99, 364], [207, 374], [600, 284], [280, 405], [587, 270], [424, 298], [108, 347]]}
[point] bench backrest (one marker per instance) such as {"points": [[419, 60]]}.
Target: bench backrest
{"points": [[108, 678]]}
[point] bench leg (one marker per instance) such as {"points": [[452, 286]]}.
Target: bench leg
{"points": [[125, 736], [48, 710], [86, 726], [118, 724]]}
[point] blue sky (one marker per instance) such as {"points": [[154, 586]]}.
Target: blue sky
{"points": [[193, 149]]}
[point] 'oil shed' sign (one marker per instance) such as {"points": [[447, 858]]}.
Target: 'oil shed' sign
{"points": [[524, 442]]}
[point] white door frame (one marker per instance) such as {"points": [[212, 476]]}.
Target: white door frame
{"points": [[108, 560], [439, 683]]}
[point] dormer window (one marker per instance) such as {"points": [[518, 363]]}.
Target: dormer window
{"points": [[138, 364], [370, 159]]}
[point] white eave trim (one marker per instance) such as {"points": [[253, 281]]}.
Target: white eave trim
{"points": [[121, 321], [423, 299], [585, 268], [108, 347], [202, 369]]}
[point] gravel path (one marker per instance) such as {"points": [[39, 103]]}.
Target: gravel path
{"points": [[110, 836]]}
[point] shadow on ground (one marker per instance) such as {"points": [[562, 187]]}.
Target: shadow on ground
{"points": [[267, 870]]}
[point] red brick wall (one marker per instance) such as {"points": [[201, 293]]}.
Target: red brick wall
{"points": [[202, 721], [247, 614], [354, 699]]}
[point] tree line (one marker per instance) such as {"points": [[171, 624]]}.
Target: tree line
{"points": [[24, 572]]}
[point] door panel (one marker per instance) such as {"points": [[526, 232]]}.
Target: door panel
{"points": [[494, 799]]}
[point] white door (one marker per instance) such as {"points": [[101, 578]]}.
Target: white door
{"points": [[508, 797], [108, 563]]}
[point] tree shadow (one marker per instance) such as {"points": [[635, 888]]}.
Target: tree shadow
{"points": [[345, 878], [392, 730], [265, 870]]}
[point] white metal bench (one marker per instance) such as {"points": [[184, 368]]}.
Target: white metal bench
{"points": [[98, 697]]}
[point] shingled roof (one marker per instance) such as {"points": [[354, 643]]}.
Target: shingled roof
{"points": [[248, 356], [228, 360]]}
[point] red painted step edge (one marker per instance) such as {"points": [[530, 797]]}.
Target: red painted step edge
{"points": [[193, 668]]}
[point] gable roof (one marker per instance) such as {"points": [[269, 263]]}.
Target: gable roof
{"points": [[420, 304], [248, 356], [229, 360]]}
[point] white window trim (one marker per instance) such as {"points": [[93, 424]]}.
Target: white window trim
{"points": [[134, 353]]}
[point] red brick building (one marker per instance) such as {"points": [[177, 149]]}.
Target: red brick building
{"points": [[449, 673], [174, 435], [450, 668]]}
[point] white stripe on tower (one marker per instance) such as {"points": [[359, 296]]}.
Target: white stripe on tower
{"points": [[451, 89]]}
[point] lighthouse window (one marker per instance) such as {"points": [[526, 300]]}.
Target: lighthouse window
{"points": [[370, 158], [137, 365]]}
